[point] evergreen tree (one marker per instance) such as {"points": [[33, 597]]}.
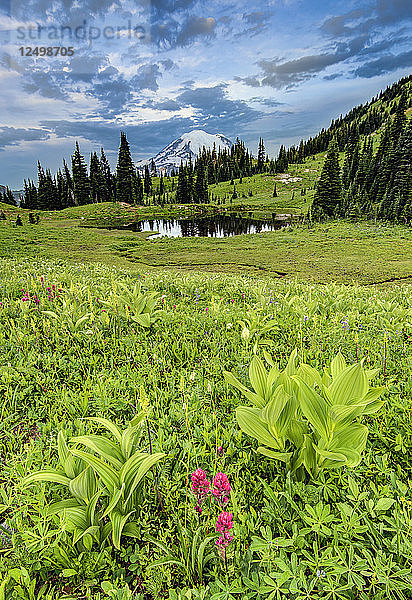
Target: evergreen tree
{"points": [[125, 173], [138, 193], [81, 184], [201, 190], [97, 180], [327, 199], [181, 190], [147, 181], [107, 190], [261, 157]]}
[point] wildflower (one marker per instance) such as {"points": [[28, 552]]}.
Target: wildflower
{"points": [[221, 488], [200, 487], [220, 450], [224, 524]]}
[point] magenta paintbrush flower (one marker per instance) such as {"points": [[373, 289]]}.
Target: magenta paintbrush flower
{"points": [[224, 524], [221, 488], [200, 487]]}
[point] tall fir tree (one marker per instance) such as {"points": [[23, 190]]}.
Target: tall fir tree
{"points": [[327, 201], [81, 183], [147, 181], [107, 192], [125, 173]]}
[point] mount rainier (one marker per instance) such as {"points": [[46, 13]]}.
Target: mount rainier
{"points": [[184, 148]]}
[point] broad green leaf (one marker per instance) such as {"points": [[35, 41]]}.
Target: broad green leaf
{"points": [[384, 504], [291, 366], [93, 531], [337, 365], [118, 522], [75, 518], [143, 320], [84, 486], [56, 507], [254, 398], [107, 474], [346, 412], [133, 477], [314, 408], [308, 456], [106, 448], [109, 426], [128, 439], [66, 457], [283, 456], [258, 377], [270, 414], [250, 423], [114, 501], [132, 529], [350, 385], [309, 375], [333, 456], [296, 432], [49, 476]]}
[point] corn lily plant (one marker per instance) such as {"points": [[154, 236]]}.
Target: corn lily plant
{"points": [[108, 473], [302, 417], [134, 305]]}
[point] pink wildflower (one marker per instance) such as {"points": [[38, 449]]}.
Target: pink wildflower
{"points": [[224, 524], [221, 488], [200, 487]]}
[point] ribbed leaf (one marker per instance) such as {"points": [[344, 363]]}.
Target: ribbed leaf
{"points": [[132, 529], [350, 385], [353, 437], [337, 365], [93, 531], [50, 476], [107, 449], [314, 408], [107, 474], [309, 375], [113, 502], [296, 432], [109, 426], [128, 438], [84, 486], [118, 522], [56, 507], [66, 457], [143, 320], [250, 423], [254, 398], [270, 414], [283, 456], [75, 518], [291, 366], [134, 477], [258, 377]]}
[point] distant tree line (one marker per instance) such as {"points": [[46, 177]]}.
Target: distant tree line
{"points": [[79, 184]]}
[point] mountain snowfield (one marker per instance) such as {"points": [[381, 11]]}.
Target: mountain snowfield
{"points": [[186, 147]]}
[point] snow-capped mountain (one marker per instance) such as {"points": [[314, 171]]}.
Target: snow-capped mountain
{"points": [[184, 148]]}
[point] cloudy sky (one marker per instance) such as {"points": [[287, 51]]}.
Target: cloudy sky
{"points": [[280, 69]]}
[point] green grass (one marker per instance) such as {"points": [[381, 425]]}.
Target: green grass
{"points": [[341, 252]]}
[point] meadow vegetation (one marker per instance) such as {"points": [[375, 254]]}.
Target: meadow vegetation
{"points": [[129, 467]]}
